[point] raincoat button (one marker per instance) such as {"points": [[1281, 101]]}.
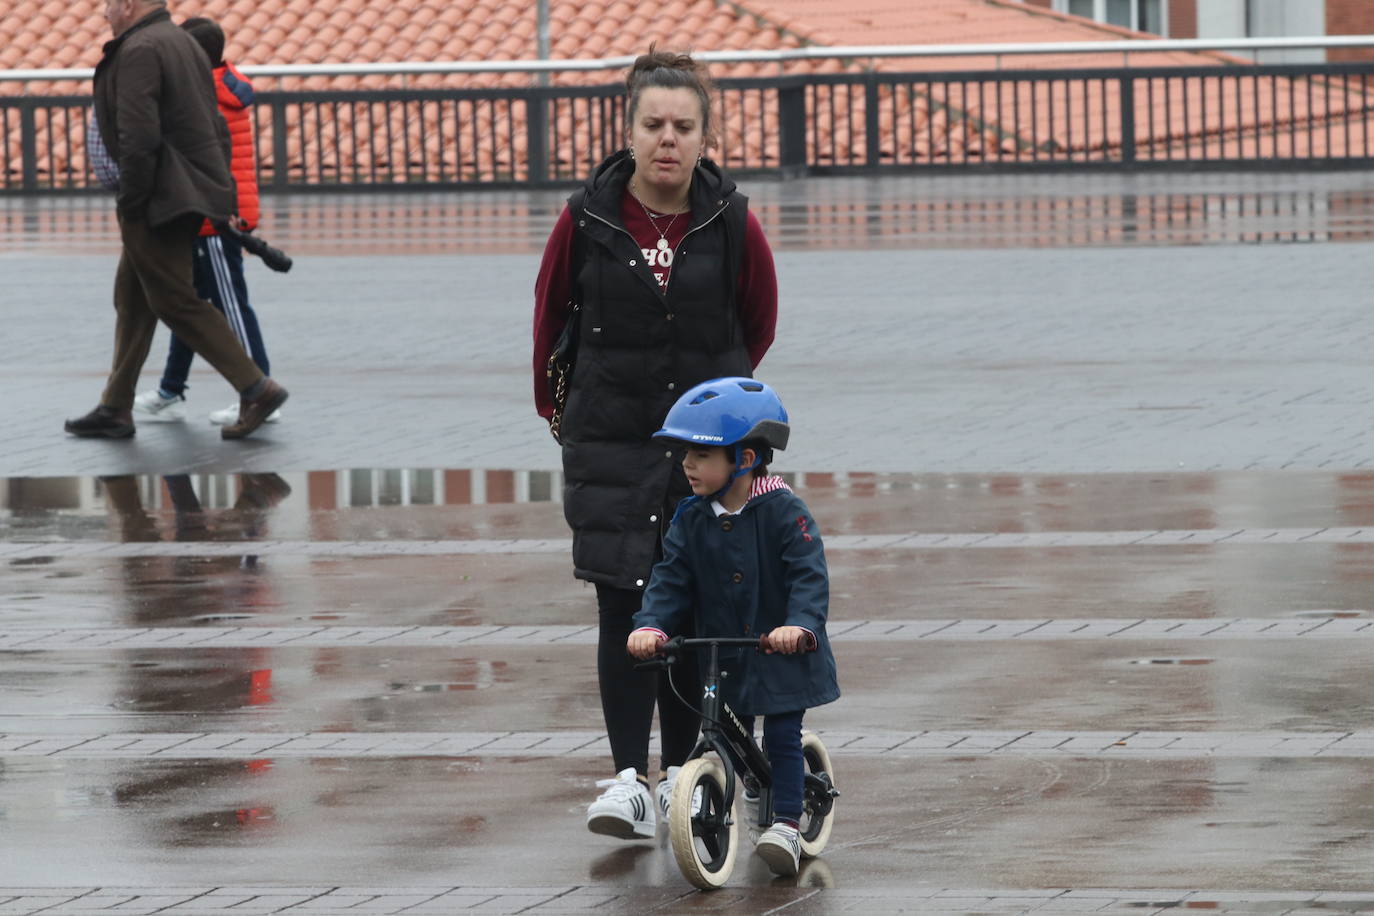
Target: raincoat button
{"points": [[670, 316], [653, 518], [672, 385], [582, 222], [737, 578], [668, 454], [639, 582], [729, 526], [633, 262]]}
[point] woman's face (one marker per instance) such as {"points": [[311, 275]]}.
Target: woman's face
{"points": [[666, 137]]}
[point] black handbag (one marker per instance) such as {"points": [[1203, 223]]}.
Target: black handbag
{"points": [[560, 369]]}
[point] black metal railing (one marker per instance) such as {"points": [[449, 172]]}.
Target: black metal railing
{"points": [[1243, 117]]}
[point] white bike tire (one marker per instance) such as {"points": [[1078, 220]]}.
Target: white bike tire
{"points": [[816, 835], [706, 874]]}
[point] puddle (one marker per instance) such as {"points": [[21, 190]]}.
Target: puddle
{"points": [[378, 504], [1330, 615], [1172, 661]]}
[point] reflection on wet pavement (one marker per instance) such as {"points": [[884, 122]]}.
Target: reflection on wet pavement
{"points": [[969, 822], [423, 504], [1073, 681], [893, 212]]}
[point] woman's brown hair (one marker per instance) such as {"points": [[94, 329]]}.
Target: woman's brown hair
{"points": [[670, 70]]}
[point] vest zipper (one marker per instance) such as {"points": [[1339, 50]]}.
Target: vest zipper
{"points": [[621, 229]]}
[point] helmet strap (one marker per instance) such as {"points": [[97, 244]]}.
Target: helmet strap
{"points": [[739, 471]]}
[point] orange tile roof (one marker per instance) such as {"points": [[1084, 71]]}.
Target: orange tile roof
{"points": [[939, 122]]}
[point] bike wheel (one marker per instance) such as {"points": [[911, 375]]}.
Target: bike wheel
{"points": [[700, 825], [818, 811]]}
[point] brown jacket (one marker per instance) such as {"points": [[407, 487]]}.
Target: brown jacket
{"points": [[155, 104]]}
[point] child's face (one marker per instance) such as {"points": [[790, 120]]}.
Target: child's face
{"points": [[708, 467]]}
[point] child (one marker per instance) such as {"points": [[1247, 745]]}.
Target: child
{"points": [[743, 557]]}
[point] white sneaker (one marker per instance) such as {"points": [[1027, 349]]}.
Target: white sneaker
{"points": [[663, 792], [152, 406], [749, 813], [230, 415], [624, 810], [780, 847]]}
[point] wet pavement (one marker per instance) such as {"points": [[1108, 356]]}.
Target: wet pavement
{"points": [[1102, 594]]}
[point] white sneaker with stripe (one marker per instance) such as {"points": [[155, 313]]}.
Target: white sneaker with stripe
{"points": [[624, 810], [780, 847]]}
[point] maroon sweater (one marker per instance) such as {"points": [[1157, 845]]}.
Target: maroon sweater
{"points": [[757, 297]]}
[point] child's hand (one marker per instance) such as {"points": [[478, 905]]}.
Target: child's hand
{"points": [[643, 644], [788, 640]]}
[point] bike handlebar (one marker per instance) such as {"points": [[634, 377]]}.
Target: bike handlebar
{"points": [[668, 651], [681, 642]]}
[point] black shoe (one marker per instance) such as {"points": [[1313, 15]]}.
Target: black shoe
{"points": [[103, 423]]}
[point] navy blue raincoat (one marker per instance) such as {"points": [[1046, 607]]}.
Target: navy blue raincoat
{"points": [[744, 575]]}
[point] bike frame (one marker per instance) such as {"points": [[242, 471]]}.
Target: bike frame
{"points": [[721, 729]]}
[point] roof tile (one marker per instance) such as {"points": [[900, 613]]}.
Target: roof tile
{"points": [[941, 122]]}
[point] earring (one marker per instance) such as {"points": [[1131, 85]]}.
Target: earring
{"points": [[632, 154]]}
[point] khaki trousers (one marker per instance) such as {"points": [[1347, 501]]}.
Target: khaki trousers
{"points": [[154, 281]]}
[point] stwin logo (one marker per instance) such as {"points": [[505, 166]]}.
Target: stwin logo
{"points": [[702, 437]]}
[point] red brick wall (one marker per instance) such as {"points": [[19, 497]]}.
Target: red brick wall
{"points": [[1183, 18], [1349, 17]]}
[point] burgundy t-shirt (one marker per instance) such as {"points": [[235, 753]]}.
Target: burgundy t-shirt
{"points": [[757, 294], [658, 235]]}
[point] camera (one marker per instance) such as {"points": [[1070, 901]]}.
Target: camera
{"points": [[274, 258]]}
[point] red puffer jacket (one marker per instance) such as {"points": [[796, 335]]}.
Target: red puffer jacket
{"points": [[235, 95]]}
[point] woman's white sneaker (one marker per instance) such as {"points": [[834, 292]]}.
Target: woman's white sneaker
{"points": [[780, 847], [151, 405], [663, 792], [624, 810]]}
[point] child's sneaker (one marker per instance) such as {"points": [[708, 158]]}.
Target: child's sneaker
{"points": [[663, 792], [780, 847], [230, 415], [158, 408], [624, 810]]}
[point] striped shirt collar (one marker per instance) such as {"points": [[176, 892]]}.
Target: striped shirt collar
{"points": [[760, 486]]}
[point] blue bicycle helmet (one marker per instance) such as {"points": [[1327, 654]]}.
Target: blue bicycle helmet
{"points": [[727, 411]]}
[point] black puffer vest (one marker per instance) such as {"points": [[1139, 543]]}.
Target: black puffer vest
{"points": [[639, 349]]}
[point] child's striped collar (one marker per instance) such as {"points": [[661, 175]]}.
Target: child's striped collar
{"points": [[768, 484], [760, 486]]}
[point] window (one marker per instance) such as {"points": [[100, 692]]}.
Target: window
{"points": [[1139, 15]]}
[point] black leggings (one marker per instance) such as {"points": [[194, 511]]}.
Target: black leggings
{"points": [[628, 696]]}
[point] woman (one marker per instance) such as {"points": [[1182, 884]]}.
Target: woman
{"points": [[675, 285]]}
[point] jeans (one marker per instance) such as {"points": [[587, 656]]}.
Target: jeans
{"points": [[782, 744]]}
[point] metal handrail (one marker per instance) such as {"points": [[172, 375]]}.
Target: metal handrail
{"points": [[1125, 46]]}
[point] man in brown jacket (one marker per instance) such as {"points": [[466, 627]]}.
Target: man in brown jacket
{"points": [[156, 109]]}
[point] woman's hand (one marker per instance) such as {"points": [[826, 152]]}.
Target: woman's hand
{"points": [[788, 640], [643, 644]]}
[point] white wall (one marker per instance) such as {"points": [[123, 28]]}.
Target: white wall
{"points": [[1221, 19], [1277, 18]]}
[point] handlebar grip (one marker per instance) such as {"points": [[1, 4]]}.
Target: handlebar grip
{"points": [[658, 661]]}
